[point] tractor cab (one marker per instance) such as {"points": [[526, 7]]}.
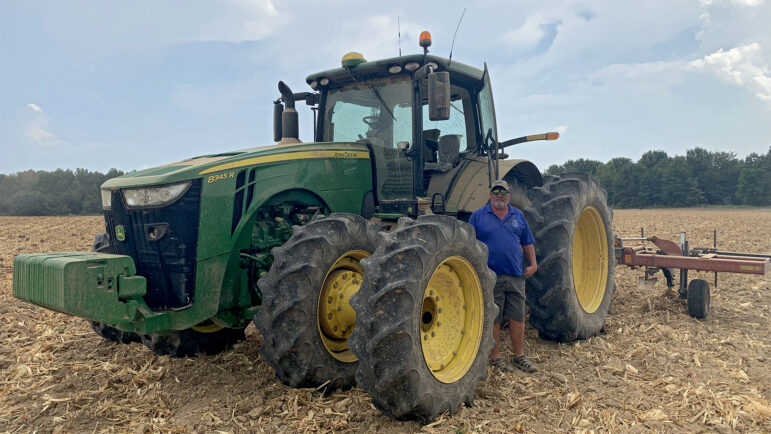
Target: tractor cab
{"points": [[425, 120], [420, 115]]}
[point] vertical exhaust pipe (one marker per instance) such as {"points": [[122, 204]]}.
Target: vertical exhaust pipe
{"points": [[290, 127]]}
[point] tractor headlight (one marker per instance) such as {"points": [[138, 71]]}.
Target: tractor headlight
{"points": [[106, 198], [154, 196]]}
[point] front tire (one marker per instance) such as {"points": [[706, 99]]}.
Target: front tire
{"points": [[570, 294], [305, 317], [424, 318], [205, 338]]}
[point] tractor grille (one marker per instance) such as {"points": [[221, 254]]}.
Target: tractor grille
{"points": [[166, 261]]}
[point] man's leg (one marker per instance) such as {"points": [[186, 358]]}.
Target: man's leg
{"points": [[517, 335], [495, 354]]}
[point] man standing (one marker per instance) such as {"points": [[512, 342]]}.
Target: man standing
{"points": [[504, 230]]}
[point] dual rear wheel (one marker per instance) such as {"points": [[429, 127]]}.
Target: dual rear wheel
{"points": [[406, 315]]}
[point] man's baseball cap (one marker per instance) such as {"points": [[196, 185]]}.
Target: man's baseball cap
{"points": [[500, 183]]}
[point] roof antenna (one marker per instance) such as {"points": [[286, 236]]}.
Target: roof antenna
{"points": [[399, 35], [456, 33]]}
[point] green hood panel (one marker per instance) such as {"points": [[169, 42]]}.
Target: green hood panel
{"points": [[201, 166]]}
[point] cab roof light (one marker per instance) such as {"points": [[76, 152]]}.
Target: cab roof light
{"points": [[412, 66]]}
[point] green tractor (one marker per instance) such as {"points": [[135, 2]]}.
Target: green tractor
{"points": [[351, 253]]}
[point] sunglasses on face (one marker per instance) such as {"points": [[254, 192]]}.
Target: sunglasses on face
{"points": [[499, 191]]}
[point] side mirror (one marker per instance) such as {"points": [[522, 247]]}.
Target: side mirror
{"points": [[278, 110], [439, 96]]}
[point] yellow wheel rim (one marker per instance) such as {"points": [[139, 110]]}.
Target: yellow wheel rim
{"points": [[335, 316], [590, 259], [451, 319], [207, 326]]}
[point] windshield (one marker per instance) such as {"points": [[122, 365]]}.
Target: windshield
{"points": [[374, 110]]}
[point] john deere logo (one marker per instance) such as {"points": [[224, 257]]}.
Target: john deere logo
{"points": [[120, 233]]}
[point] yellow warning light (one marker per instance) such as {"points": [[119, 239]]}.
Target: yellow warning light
{"points": [[425, 39]]}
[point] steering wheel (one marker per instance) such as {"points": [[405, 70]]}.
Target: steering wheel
{"points": [[372, 121]]}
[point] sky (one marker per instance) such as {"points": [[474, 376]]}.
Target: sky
{"points": [[131, 85]]}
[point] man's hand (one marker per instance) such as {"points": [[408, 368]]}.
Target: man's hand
{"points": [[529, 271]]}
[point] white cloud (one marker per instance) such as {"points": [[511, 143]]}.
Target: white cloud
{"points": [[749, 3], [36, 130], [245, 20], [743, 66], [35, 108], [527, 36], [562, 129]]}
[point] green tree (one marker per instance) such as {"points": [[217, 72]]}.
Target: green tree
{"points": [[716, 173], [679, 188], [754, 186]]}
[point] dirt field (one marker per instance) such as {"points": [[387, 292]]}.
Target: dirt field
{"points": [[655, 369]]}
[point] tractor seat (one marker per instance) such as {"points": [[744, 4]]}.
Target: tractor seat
{"points": [[448, 152]]}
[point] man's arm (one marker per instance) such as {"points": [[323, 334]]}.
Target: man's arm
{"points": [[529, 250]]}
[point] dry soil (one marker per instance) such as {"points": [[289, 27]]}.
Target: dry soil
{"points": [[655, 368]]}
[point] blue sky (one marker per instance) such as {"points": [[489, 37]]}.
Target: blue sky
{"points": [[101, 84]]}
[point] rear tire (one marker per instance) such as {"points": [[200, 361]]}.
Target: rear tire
{"points": [[424, 318], [306, 318], [570, 294], [698, 298]]}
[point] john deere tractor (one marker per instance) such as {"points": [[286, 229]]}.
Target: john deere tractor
{"points": [[351, 253]]}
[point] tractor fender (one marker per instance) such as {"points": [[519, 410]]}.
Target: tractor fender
{"points": [[466, 187]]}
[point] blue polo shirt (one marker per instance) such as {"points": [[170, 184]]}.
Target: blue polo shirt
{"points": [[503, 237]]}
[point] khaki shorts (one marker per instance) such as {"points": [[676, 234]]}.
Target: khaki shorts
{"points": [[509, 294]]}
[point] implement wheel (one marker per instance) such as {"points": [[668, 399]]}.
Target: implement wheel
{"points": [[424, 318], [570, 294], [698, 298], [305, 317]]}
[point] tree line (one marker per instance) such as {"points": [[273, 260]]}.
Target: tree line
{"points": [[61, 192], [700, 177]]}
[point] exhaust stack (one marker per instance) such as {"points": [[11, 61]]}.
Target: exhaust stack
{"points": [[290, 129]]}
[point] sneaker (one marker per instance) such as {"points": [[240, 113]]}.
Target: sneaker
{"points": [[523, 364], [501, 365]]}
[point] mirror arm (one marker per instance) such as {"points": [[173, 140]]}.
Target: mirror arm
{"points": [[545, 136]]}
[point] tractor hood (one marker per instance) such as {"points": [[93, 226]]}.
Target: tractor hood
{"points": [[204, 165]]}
